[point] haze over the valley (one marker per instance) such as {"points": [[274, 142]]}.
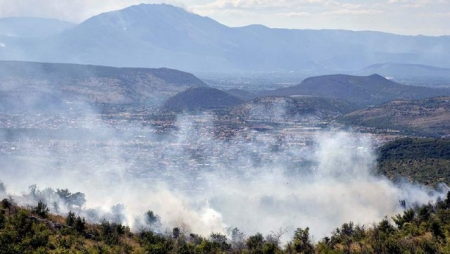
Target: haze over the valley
{"points": [[217, 114]]}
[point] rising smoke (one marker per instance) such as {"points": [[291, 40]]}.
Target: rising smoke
{"points": [[256, 181]]}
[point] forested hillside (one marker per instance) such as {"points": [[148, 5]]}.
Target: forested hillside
{"points": [[422, 160]]}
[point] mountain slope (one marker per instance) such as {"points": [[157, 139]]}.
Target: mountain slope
{"points": [[363, 91], [428, 117], [163, 35], [141, 35], [91, 84], [420, 160], [201, 98], [32, 27]]}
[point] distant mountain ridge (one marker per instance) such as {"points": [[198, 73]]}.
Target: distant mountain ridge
{"points": [[32, 27], [414, 74], [167, 36], [61, 83], [361, 90]]}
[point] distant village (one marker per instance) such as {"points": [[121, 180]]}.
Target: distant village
{"points": [[159, 145]]}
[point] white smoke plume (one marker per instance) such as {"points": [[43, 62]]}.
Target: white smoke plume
{"points": [[196, 180]]}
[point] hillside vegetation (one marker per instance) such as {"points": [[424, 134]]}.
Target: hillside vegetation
{"points": [[420, 229], [421, 160], [428, 117]]}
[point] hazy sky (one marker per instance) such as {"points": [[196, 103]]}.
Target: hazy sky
{"points": [[428, 17]]}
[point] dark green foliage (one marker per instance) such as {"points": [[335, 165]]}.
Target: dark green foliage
{"points": [[195, 239], [302, 242], [80, 225], [21, 234], [415, 148], [436, 230], [41, 210], [176, 233], [407, 217], [392, 246], [6, 204], [204, 247], [385, 227], [421, 160], [425, 212], [255, 243], [154, 243], [219, 242], [109, 232], [270, 248], [70, 219], [2, 219]]}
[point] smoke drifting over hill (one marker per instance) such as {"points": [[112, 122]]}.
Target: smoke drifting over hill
{"points": [[256, 181]]}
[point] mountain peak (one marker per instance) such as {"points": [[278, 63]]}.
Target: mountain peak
{"points": [[377, 76], [162, 8], [153, 21], [157, 35]]}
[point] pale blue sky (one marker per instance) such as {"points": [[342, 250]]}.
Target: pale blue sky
{"points": [[428, 17]]}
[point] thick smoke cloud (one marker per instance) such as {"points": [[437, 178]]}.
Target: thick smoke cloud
{"points": [[203, 183]]}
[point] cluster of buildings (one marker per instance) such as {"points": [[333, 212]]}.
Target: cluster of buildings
{"points": [[126, 145]]}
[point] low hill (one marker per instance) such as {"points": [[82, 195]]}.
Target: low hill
{"points": [[275, 108], [422, 160], [361, 90], [201, 98], [91, 84], [428, 117]]}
